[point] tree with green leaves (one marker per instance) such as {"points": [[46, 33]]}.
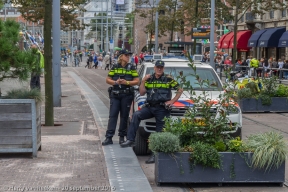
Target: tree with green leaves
{"points": [[14, 62], [34, 11]]}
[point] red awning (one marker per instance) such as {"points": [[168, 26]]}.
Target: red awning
{"points": [[219, 46], [226, 41], [242, 40]]}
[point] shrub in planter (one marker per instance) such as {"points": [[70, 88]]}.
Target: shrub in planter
{"points": [[24, 94], [164, 142], [270, 150], [204, 138]]}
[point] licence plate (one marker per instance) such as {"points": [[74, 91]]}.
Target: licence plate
{"points": [[197, 121]]}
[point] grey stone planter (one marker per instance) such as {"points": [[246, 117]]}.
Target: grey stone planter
{"points": [[168, 169], [279, 104], [20, 126]]}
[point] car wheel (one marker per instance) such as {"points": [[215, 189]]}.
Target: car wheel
{"points": [[141, 145]]}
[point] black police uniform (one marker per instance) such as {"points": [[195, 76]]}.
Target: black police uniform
{"points": [[158, 92], [121, 97]]}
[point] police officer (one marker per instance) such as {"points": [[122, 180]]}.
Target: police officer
{"points": [[122, 77], [158, 88]]}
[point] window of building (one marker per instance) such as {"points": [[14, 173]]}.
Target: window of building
{"points": [[284, 13], [271, 13], [242, 18]]}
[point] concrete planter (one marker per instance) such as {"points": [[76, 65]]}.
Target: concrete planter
{"points": [[176, 169], [279, 104], [20, 126]]}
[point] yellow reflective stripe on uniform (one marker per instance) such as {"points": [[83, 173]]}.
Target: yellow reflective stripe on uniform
{"points": [[157, 85], [134, 73], [173, 83], [111, 72]]}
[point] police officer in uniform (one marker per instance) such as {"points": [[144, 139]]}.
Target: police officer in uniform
{"points": [[122, 77], [158, 88]]}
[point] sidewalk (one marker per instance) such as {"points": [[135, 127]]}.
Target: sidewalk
{"points": [[72, 157], [71, 154]]}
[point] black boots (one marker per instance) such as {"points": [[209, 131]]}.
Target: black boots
{"points": [[107, 141], [128, 144], [121, 140], [151, 159]]}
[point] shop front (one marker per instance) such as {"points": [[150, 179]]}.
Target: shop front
{"points": [[283, 44], [266, 40], [227, 42]]}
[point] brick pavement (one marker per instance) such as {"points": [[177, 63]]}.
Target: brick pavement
{"points": [[65, 160]]}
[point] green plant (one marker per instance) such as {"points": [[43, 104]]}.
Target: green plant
{"points": [[220, 146], [270, 150], [164, 142], [235, 145], [244, 93], [205, 155], [281, 91], [14, 63], [24, 94]]}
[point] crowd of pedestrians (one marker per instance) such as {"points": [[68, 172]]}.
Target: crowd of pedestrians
{"points": [[250, 65]]}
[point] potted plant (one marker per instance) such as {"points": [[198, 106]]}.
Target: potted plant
{"points": [[20, 122], [263, 95], [199, 149]]}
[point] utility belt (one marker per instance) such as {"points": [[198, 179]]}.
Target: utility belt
{"points": [[162, 104], [113, 91]]}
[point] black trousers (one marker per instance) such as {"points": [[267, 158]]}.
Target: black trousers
{"points": [[119, 103], [35, 82], [158, 112]]}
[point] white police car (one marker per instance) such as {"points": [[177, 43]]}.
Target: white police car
{"points": [[173, 67]]}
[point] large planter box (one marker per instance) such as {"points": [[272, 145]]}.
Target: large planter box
{"points": [[176, 169], [20, 126], [279, 104]]}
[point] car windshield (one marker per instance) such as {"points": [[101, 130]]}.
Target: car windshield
{"points": [[204, 74]]}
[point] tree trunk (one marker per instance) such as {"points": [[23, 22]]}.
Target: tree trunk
{"points": [[49, 111]]}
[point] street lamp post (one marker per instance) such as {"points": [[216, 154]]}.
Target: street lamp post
{"points": [[212, 26]]}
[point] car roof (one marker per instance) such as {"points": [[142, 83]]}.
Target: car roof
{"points": [[175, 62]]}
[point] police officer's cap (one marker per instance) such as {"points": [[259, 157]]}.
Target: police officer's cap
{"points": [[125, 52], [159, 63]]}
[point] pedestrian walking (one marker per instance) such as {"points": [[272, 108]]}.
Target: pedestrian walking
{"points": [[80, 55], [90, 61], [35, 75], [100, 61], [122, 77], [158, 88], [95, 61], [107, 60]]}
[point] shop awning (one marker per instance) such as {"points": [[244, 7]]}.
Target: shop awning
{"points": [[253, 41], [270, 38], [226, 40], [242, 40], [283, 41], [219, 46]]}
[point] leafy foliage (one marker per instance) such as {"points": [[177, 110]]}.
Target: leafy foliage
{"points": [[24, 94], [205, 155], [235, 145], [207, 120], [34, 11], [270, 150], [14, 63], [164, 142]]}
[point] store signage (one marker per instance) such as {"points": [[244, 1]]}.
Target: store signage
{"points": [[120, 2], [200, 33], [284, 43], [175, 49]]}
